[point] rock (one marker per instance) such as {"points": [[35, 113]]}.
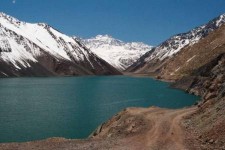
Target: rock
{"points": [[210, 96], [158, 77], [216, 142], [211, 141], [206, 141]]}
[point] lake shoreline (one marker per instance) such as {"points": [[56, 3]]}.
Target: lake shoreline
{"points": [[148, 75], [79, 141]]}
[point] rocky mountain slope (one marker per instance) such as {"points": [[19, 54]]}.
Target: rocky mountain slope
{"points": [[39, 50], [204, 75], [152, 61], [200, 69], [190, 59], [116, 52]]}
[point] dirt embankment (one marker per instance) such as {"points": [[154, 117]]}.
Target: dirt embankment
{"points": [[147, 128]]}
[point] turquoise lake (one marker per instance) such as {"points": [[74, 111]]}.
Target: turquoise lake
{"points": [[72, 107]]}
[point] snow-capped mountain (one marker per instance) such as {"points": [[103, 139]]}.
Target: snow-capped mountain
{"points": [[39, 49], [116, 52], [177, 42], [173, 45]]}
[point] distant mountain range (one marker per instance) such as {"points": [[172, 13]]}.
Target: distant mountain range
{"points": [[116, 52], [40, 50]]}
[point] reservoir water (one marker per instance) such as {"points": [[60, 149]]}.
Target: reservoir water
{"points": [[72, 107]]}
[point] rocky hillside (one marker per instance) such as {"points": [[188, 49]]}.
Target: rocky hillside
{"points": [[197, 67], [200, 69], [208, 122], [152, 61], [191, 59], [116, 52], [40, 50]]}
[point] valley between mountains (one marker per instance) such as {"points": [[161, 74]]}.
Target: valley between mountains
{"points": [[194, 61]]}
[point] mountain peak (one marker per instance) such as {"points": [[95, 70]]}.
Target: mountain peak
{"points": [[9, 18], [222, 16], [106, 38], [103, 36], [116, 52], [2, 14], [220, 20]]}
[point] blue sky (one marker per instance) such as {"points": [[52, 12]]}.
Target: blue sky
{"points": [[149, 21]]}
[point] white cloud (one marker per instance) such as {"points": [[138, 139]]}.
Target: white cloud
{"points": [[14, 1]]}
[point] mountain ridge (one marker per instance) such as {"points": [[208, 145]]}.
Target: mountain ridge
{"points": [[151, 61], [22, 43], [116, 52]]}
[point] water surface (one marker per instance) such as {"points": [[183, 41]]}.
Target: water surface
{"points": [[72, 107]]}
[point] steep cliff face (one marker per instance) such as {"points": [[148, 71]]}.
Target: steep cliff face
{"points": [[38, 50]]}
